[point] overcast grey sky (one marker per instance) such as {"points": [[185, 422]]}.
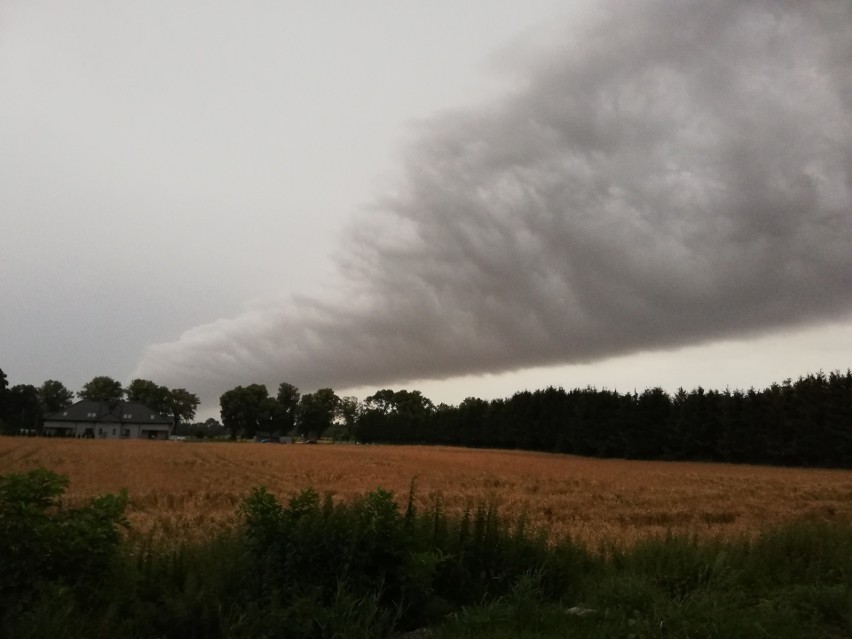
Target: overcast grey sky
{"points": [[467, 198]]}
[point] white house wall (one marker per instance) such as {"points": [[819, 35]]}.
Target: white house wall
{"points": [[108, 430]]}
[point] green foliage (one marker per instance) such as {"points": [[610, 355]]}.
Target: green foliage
{"points": [[389, 414], [23, 409], [245, 410], [675, 587], [314, 567], [249, 411], [418, 565], [54, 396], [29, 493], [317, 412], [101, 389], [186, 591], [45, 547], [150, 394], [288, 401], [802, 552], [177, 403], [209, 428], [4, 400], [312, 545], [182, 405], [806, 422], [348, 410], [677, 566]]}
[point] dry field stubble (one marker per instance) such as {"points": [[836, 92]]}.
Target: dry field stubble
{"points": [[180, 490]]}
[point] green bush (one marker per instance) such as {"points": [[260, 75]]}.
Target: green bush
{"points": [[47, 548], [317, 568], [416, 566]]}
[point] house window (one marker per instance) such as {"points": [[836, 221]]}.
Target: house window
{"points": [[113, 431], [125, 432], [127, 416]]}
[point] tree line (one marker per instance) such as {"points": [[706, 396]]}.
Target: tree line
{"points": [[23, 407], [250, 411], [806, 422], [802, 422]]}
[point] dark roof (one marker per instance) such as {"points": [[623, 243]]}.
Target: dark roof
{"points": [[111, 412]]}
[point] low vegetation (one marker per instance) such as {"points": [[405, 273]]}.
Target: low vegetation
{"points": [[313, 566]]}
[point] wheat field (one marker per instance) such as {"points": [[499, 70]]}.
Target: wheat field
{"points": [[181, 490]]}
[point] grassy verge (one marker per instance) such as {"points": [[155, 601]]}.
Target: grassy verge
{"points": [[791, 582], [316, 567]]}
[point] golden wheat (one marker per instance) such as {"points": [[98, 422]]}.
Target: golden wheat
{"points": [[182, 489]]}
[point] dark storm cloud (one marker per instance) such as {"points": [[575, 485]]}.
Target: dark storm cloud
{"points": [[668, 174]]}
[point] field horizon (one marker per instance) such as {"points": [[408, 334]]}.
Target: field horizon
{"points": [[183, 490]]}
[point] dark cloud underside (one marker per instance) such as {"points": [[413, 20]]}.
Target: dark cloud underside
{"points": [[669, 174]]}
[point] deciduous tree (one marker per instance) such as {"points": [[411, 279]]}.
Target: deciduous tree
{"points": [[348, 411], [4, 397], [177, 403], [317, 411], [288, 407], [24, 408], [102, 389], [182, 405], [152, 395], [245, 410], [54, 396]]}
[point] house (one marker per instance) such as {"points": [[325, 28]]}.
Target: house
{"points": [[108, 420]]}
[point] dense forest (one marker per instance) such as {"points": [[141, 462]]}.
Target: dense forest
{"points": [[806, 422]]}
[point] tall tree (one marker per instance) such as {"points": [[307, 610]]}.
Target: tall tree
{"points": [[382, 401], [152, 395], [24, 409], [54, 396], [101, 389], [4, 397], [412, 402], [177, 403], [317, 411], [182, 405], [348, 411], [387, 401], [245, 410], [288, 407]]}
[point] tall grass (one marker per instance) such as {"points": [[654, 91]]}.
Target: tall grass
{"points": [[316, 566]]}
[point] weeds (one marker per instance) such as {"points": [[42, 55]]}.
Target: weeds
{"points": [[320, 567]]}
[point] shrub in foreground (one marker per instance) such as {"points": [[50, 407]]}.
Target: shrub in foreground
{"points": [[415, 566], [317, 567], [51, 552]]}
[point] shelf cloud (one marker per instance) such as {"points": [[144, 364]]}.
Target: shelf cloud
{"points": [[661, 174]]}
